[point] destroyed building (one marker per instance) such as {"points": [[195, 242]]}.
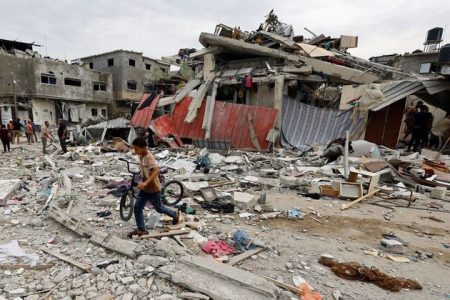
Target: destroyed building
{"points": [[44, 89], [132, 73], [259, 88]]}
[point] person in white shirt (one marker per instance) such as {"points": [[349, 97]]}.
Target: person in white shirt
{"points": [[440, 133]]}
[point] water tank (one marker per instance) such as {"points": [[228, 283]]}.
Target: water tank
{"points": [[444, 54], [434, 36]]}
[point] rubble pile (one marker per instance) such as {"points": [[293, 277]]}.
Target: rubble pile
{"points": [[245, 210]]}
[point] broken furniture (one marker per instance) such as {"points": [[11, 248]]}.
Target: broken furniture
{"points": [[374, 178]]}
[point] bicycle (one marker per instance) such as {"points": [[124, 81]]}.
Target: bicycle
{"points": [[172, 192]]}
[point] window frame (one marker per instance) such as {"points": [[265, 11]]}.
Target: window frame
{"points": [[99, 84], [110, 62], [132, 62], [132, 82], [70, 79], [50, 75], [96, 112]]}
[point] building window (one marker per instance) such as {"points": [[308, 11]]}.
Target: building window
{"points": [[72, 81], [148, 66], [164, 70], [94, 112], [48, 78], [91, 65], [111, 62], [104, 112], [100, 86], [132, 62], [132, 85]]}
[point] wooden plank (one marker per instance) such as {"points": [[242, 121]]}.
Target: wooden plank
{"points": [[113, 243], [161, 234], [166, 101], [243, 256], [283, 285], [345, 206], [67, 259], [253, 135]]}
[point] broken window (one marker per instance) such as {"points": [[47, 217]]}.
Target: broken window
{"points": [[94, 112], [164, 70], [148, 87], [111, 62], [148, 66], [100, 86], [72, 81], [91, 65], [132, 85], [48, 78], [103, 112], [132, 62]]}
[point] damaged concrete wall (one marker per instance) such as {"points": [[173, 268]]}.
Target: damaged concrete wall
{"points": [[44, 110], [63, 90]]}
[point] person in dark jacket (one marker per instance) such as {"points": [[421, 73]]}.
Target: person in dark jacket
{"points": [[4, 137], [423, 121], [62, 134]]}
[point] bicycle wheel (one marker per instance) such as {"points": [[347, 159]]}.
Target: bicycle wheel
{"points": [[127, 205], [172, 192]]}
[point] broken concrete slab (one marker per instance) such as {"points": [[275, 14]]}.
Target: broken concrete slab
{"points": [[7, 188], [289, 181], [195, 186], [218, 281], [191, 177], [237, 160], [113, 243], [245, 200]]}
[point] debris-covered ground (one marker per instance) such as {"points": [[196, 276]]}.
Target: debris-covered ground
{"points": [[72, 244]]}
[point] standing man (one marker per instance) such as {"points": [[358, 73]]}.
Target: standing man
{"points": [[422, 122], [4, 137], [150, 188], [35, 130], [45, 136], [10, 128], [409, 118], [62, 134], [17, 130], [29, 129]]}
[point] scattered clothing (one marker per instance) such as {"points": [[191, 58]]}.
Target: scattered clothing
{"points": [[243, 240], [218, 248]]}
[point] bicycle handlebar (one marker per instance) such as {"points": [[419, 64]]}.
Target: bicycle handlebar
{"points": [[128, 165]]}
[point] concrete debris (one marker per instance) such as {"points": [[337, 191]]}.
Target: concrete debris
{"points": [[217, 280]]}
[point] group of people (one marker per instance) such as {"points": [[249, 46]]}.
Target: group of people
{"points": [[12, 132], [419, 124]]}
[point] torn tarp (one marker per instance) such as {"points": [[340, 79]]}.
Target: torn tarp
{"points": [[304, 126]]}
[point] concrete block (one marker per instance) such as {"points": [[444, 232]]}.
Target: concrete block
{"points": [[438, 192], [272, 173], [193, 187], [393, 246], [191, 177], [237, 160], [289, 181], [218, 281], [7, 188], [245, 200]]}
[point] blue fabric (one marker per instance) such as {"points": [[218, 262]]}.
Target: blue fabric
{"points": [[242, 239], [155, 199]]}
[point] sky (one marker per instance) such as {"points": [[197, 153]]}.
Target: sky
{"points": [[70, 29]]}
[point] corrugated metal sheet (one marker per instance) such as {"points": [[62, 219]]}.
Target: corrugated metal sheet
{"points": [[142, 117], [163, 128], [304, 125], [229, 123], [395, 91]]}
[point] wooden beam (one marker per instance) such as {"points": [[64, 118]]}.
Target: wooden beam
{"points": [[192, 84], [243, 256], [345, 206], [162, 234], [67, 259], [253, 135], [26, 267], [283, 285], [196, 102]]}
